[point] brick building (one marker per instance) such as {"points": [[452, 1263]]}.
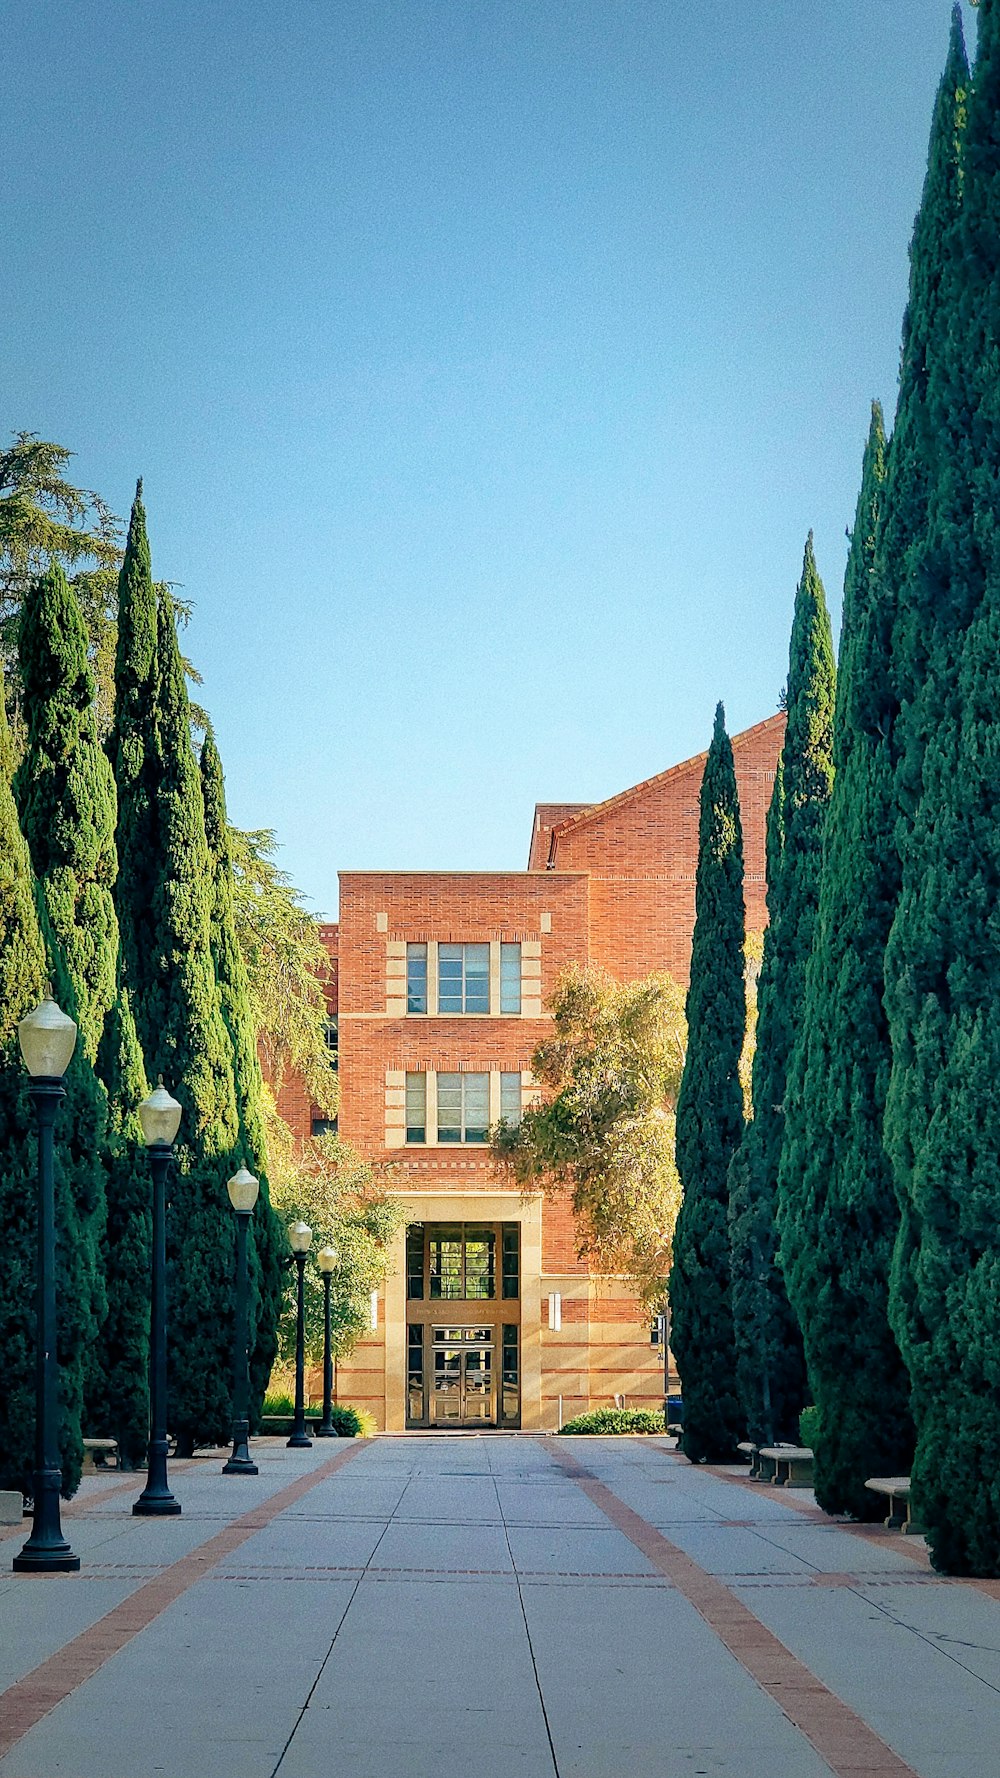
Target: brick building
{"points": [[438, 989]]}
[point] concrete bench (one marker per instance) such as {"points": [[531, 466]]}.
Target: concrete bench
{"points": [[792, 1465], [896, 1489], [11, 1506], [100, 1453]]}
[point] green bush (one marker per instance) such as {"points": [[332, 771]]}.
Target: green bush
{"points": [[616, 1420], [809, 1427], [352, 1422], [278, 1403]]}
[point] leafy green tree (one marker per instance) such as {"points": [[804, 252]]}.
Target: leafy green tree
{"points": [[769, 1343], [604, 1130], [837, 1205], [269, 1245], [45, 519], [286, 967], [710, 1121], [943, 958], [345, 1201]]}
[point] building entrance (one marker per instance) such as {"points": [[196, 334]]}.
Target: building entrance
{"points": [[463, 1325], [463, 1390]]}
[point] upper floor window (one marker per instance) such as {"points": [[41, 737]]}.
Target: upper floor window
{"points": [[416, 1108], [463, 1107], [463, 978], [416, 978], [510, 1098], [332, 1038], [510, 978]]}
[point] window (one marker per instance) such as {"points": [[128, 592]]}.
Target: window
{"points": [[510, 1098], [416, 1108], [463, 1104], [510, 1262], [332, 1043], [323, 1126], [415, 1371], [463, 978], [416, 978], [461, 1263], [415, 1260], [510, 1404], [510, 978]]}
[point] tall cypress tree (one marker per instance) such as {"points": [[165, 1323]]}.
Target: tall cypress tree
{"points": [[65, 798], [164, 901], [943, 958], [269, 1242], [769, 1343], [838, 1213], [710, 1120], [24, 968]]}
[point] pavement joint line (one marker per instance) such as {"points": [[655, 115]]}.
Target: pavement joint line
{"points": [[841, 1737], [30, 1698], [84, 1506], [527, 1631]]}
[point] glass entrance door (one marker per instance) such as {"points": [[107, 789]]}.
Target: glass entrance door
{"points": [[462, 1380]]}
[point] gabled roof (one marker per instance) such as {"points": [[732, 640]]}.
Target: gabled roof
{"points": [[582, 813]]}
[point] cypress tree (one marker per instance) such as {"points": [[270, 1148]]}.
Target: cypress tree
{"points": [[769, 1342], [164, 902], [943, 959], [65, 798], [24, 968], [710, 1120], [838, 1213], [268, 1245]]}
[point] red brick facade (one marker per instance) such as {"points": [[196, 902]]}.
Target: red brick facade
{"points": [[611, 884]]}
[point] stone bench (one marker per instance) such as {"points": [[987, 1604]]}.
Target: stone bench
{"points": [[100, 1453], [791, 1465], [11, 1506], [896, 1489]]}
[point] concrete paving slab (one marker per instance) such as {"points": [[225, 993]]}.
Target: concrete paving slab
{"points": [[290, 1543], [447, 1548], [530, 1503], [574, 1550], [931, 1709], [636, 1686], [451, 1500], [725, 1549], [40, 1615]]}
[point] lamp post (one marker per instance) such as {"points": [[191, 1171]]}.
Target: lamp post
{"points": [[242, 1189], [326, 1259], [300, 1237], [47, 1038], [160, 1117]]}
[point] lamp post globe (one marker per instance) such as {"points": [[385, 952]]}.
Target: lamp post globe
{"points": [[326, 1259], [160, 1119], [300, 1241], [242, 1188], [47, 1039]]}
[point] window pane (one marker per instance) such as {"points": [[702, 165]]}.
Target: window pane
{"points": [[446, 1265], [415, 1260], [480, 1264], [416, 1108], [477, 1106], [477, 978], [510, 1098], [510, 978], [449, 1087], [511, 1262], [416, 978]]}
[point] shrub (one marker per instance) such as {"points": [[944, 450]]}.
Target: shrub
{"points": [[277, 1403], [809, 1427], [616, 1420], [352, 1422]]}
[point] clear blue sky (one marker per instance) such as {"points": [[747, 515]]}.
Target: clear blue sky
{"points": [[486, 361]]}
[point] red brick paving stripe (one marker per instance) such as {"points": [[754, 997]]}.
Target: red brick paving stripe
{"points": [[850, 1747], [24, 1704]]}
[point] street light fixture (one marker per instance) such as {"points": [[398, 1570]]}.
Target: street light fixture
{"points": [[242, 1189], [160, 1118], [326, 1259], [47, 1038], [300, 1239]]}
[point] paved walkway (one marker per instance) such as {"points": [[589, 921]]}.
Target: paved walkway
{"points": [[477, 1607]]}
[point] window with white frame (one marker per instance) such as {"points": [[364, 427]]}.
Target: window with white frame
{"points": [[510, 978], [510, 1098], [463, 1107], [416, 1108], [416, 978], [463, 978]]}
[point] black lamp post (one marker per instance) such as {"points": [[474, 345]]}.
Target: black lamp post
{"points": [[47, 1039], [300, 1238], [326, 1259], [160, 1117], [242, 1189]]}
